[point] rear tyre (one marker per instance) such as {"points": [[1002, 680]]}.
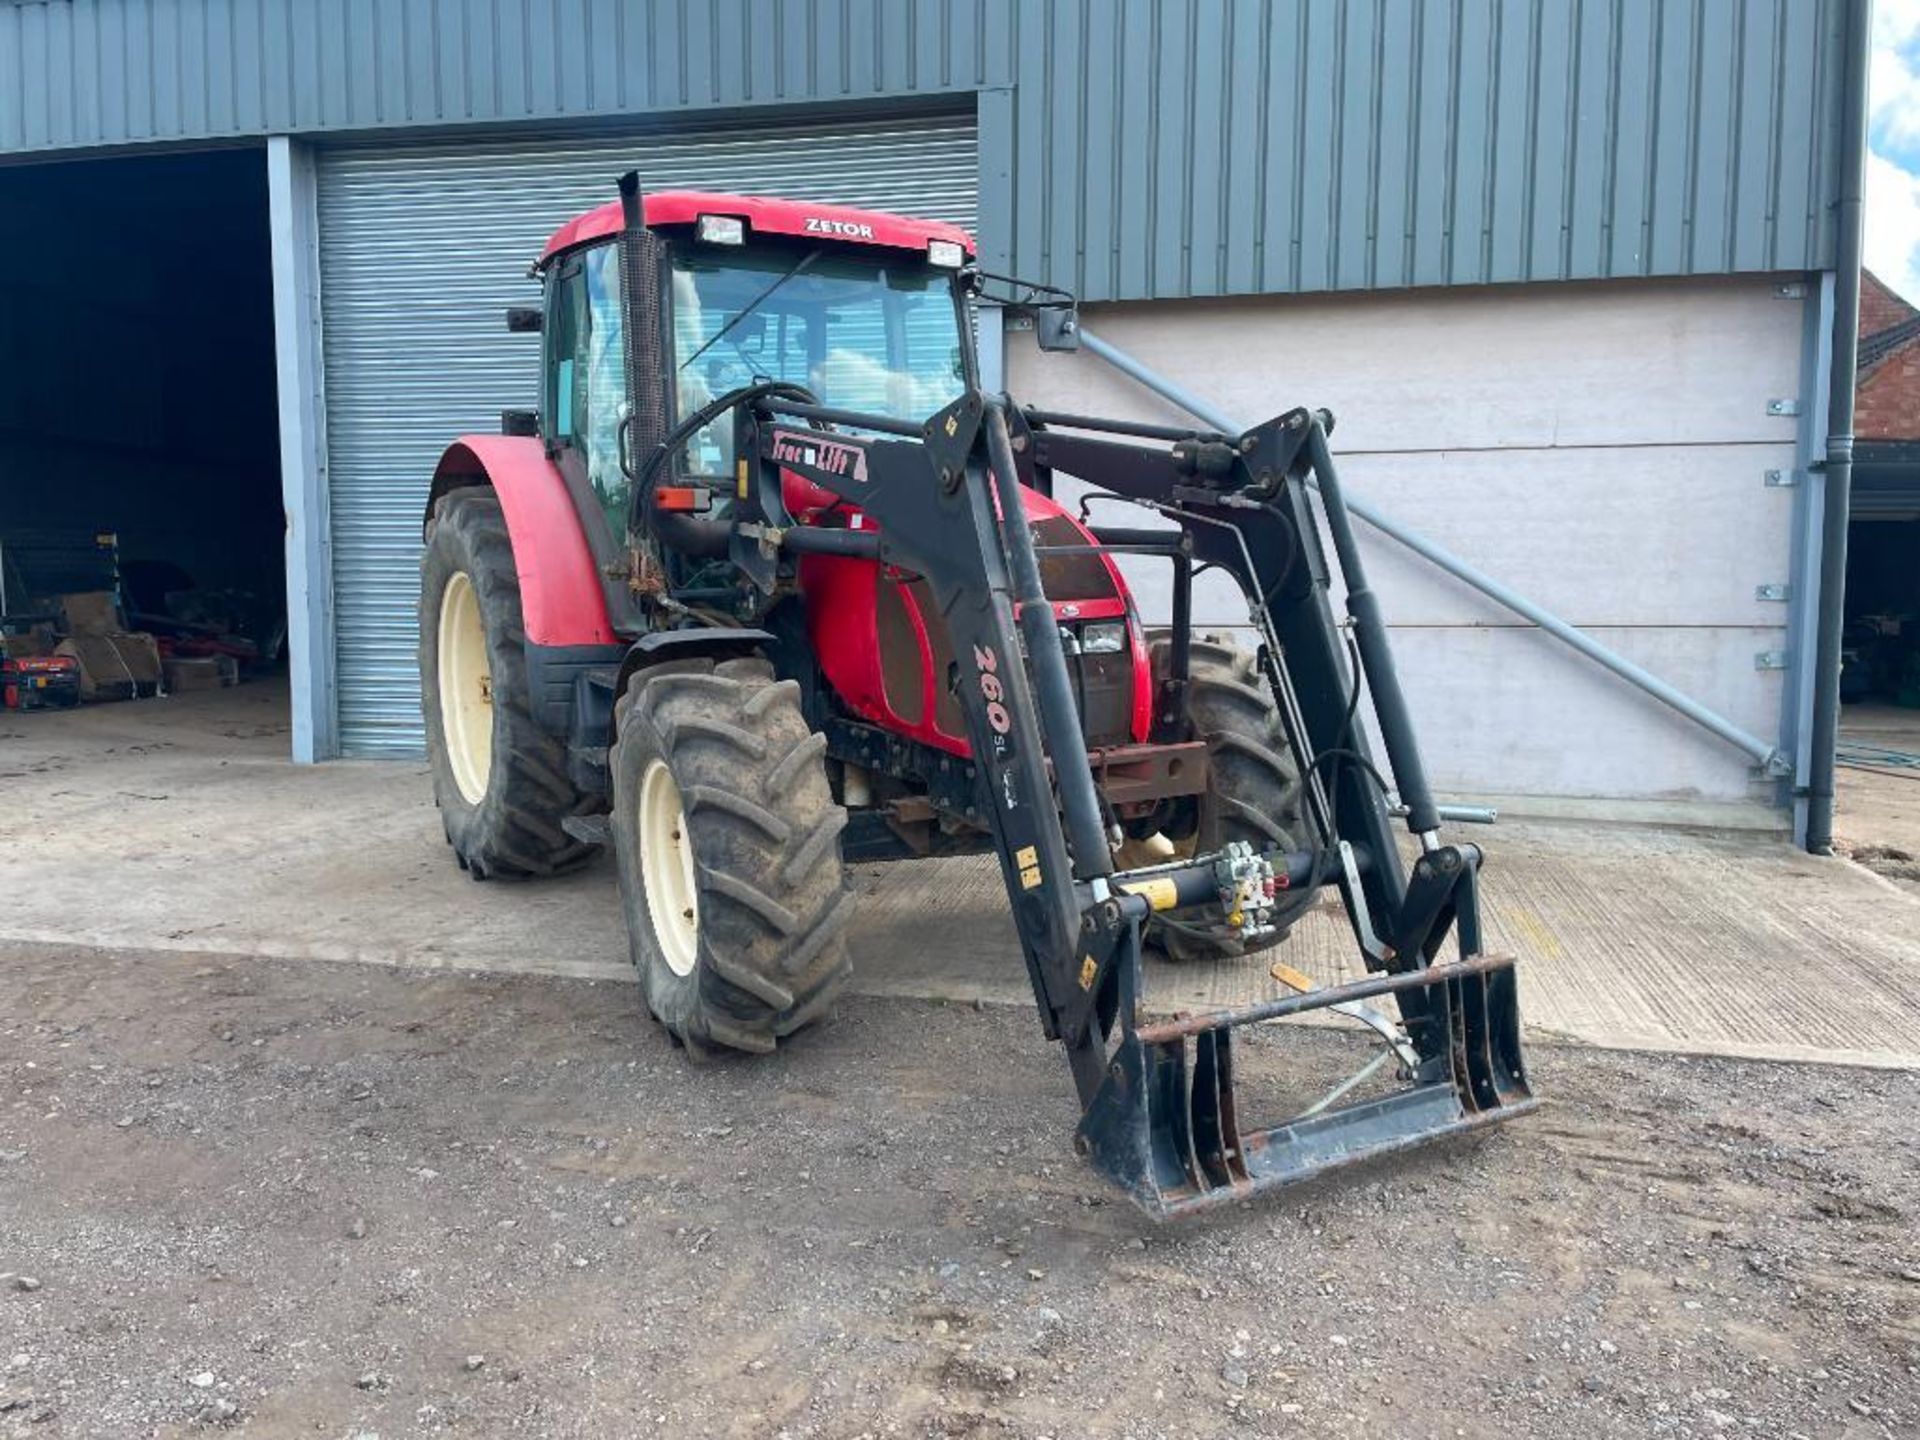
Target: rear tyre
{"points": [[728, 847], [1253, 783], [499, 779]]}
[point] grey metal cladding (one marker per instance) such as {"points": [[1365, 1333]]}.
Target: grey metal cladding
{"points": [[1151, 147], [103, 72], [1354, 144]]}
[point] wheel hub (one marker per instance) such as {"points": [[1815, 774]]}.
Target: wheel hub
{"points": [[466, 688], [666, 869]]}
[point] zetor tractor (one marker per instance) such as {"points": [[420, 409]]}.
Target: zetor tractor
{"points": [[769, 585]]}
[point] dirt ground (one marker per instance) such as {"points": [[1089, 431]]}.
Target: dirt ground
{"points": [[341, 1200]]}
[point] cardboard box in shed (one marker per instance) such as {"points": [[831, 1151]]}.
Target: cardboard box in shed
{"points": [[90, 612], [200, 672], [114, 667]]}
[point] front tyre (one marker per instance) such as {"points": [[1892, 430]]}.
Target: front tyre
{"points": [[499, 779], [728, 847]]}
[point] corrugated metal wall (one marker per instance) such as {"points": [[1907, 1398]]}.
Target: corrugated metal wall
{"points": [[422, 250], [1131, 148], [1206, 149], [103, 72]]}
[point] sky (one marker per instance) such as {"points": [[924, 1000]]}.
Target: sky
{"points": [[1892, 219]]}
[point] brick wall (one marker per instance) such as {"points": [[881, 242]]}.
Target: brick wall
{"points": [[1887, 404]]}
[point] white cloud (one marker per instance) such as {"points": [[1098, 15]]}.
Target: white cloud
{"points": [[1893, 90], [1892, 238], [1892, 233], [1893, 19]]}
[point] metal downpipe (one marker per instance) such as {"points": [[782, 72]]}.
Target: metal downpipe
{"points": [[1769, 756], [1830, 621]]}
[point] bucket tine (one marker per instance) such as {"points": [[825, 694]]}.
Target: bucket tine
{"points": [[1216, 1136], [1165, 1125]]}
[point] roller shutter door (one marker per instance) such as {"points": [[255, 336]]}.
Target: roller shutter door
{"points": [[422, 250]]}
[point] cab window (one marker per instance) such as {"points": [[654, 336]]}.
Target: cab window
{"points": [[585, 383], [879, 334]]}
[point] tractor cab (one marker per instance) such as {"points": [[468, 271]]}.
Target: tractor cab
{"points": [[864, 311]]}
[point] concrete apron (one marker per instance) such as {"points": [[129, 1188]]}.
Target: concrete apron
{"points": [[177, 825]]}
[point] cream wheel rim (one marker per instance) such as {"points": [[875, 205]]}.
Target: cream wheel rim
{"points": [[666, 869], [466, 688]]}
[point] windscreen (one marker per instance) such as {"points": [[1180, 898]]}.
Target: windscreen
{"points": [[879, 335]]}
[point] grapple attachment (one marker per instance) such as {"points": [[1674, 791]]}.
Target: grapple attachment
{"points": [[1165, 1125]]}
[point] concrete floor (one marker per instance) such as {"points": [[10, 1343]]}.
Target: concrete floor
{"points": [[178, 825]]}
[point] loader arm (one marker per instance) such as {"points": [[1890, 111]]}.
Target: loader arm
{"points": [[938, 512], [1157, 1095]]}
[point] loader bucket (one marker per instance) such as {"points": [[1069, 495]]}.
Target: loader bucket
{"points": [[1164, 1125]]}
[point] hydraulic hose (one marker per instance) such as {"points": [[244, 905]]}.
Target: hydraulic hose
{"points": [[689, 534], [1370, 633]]}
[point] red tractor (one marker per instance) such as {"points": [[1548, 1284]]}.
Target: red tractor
{"points": [[768, 584]]}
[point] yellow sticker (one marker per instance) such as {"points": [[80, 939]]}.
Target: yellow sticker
{"points": [[1030, 877], [742, 471], [1087, 971], [1161, 893], [1025, 856], [1290, 977], [953, 426]]}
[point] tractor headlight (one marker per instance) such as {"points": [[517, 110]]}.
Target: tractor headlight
{"points": [[1106, 638], [722, 230], [947, 254]]}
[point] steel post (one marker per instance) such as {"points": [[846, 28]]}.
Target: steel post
{"points": [[1838, 477]]}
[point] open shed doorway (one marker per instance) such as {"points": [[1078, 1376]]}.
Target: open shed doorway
{"points": [[1880, 668], [1877, 807], [141, 550], [1882, 651]]}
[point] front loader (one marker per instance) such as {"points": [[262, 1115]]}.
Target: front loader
{"points": [[769, 584]]}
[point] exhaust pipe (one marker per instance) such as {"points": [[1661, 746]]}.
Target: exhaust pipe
{"points": [[647, 423]]}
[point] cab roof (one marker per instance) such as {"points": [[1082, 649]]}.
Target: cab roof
{"points": [[764, 216]]}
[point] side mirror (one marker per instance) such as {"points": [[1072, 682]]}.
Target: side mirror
{"points": [[1056, 327], [523, 319]]}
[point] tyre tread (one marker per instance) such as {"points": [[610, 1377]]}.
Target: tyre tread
{"points": [[516, 830], [774, 900]]}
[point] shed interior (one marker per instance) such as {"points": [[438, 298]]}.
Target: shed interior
{"points": [[1880, 662], [139, 447]]}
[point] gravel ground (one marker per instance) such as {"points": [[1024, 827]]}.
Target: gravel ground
{"points": [[345, 1201]]}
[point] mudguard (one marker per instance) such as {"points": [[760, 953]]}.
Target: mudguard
{"points": [[560, 594], [703, 642]]}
